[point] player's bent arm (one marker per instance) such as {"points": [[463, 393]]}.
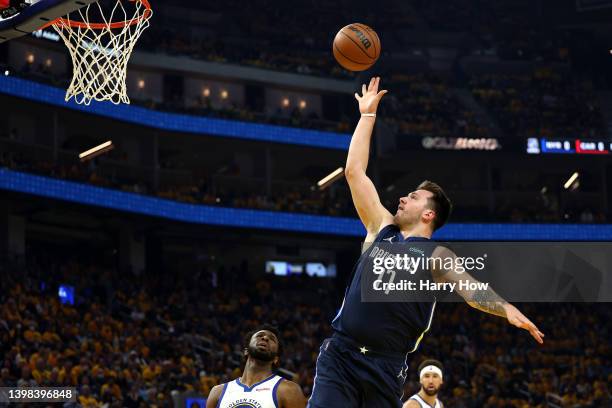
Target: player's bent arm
{"points": [[411, 404], [214, 396], [486, 300], [290, 395]]}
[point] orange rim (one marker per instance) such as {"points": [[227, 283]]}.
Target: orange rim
{"points": [[102, 26]]}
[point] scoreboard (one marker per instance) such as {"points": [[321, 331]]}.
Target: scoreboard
{"points": [[568, 146]]}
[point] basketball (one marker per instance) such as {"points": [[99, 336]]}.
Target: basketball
{"points": [[356, 47]]}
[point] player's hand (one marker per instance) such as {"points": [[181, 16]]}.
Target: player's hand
{"points": [[370, 96], [516, 318]]}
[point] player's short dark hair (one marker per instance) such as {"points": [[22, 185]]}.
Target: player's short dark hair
{"points": [[439, 203], [270, 328], [429, 362]]}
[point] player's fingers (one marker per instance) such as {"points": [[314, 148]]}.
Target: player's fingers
{"points": [[537, 337], [357, 96], [536, 334], [372, 83], [537, 330], [533, 330], [364, 89], [381, 93]]}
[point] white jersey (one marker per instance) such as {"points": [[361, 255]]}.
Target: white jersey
{"points": [[260, 395], [424, 404]]}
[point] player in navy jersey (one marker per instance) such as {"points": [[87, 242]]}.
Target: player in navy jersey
{"points": [[363, 363]]}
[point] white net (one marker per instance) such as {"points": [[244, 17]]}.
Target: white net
{"points": [[100, 41]]}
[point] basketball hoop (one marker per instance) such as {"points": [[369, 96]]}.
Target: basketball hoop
{"points": [[100, 44]]}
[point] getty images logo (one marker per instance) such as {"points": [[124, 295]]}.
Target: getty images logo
{"points": [[364, 40]]}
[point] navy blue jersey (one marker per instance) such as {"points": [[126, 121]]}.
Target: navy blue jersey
{"points": [[384, 326]]}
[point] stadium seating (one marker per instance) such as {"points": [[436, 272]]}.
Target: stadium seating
{"points": [[546, 103], [133, 341]]}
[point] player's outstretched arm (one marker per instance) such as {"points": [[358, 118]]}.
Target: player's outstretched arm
{"points": [[213, 396], [290, 395], [487, 300], [365, 197]]}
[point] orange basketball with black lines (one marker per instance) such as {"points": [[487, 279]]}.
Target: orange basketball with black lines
{"points": [[356, 47]]}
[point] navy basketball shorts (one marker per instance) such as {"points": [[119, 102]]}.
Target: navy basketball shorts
{"points": [[350, 376]]}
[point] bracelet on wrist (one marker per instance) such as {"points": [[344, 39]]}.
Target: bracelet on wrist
{"points": [[369, 115]]}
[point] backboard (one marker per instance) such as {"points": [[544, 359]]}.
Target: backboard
{"points": [[21, 17]]}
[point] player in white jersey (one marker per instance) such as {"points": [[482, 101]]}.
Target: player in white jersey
{"points": [[259, 387], [431, 379]]}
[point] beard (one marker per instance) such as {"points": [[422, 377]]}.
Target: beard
{"points": [[260, 355], [405, 219], [431, 392]]}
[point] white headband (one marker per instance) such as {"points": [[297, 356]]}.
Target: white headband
{"points": [[430, 369]]}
